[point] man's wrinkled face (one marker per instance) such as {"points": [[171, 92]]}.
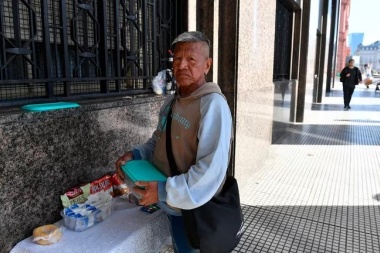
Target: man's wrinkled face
{"points": [[190, 63]]}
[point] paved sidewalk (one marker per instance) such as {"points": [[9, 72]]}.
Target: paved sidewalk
{"points": [[319, 189]]}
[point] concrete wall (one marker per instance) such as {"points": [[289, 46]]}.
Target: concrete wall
{"points": [[42, 154], [255, 89]]}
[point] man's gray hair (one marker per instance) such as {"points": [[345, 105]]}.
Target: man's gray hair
{"points": [[193, 36]]}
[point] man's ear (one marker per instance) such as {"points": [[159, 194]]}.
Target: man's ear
{"points": [[208, 65]]}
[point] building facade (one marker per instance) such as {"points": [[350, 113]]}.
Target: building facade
{"points": [[343, 48], [370, 54]]}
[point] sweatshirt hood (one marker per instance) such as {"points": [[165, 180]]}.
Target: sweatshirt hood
{"points": [[205, 89]]}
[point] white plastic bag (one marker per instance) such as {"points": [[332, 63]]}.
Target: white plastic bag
{"points": [[159, 82]]}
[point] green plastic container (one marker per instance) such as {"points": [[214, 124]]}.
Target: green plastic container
{"points": [[142, 170], [49, 106]]}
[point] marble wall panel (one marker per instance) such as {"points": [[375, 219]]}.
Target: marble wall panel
{"points": [[255, 88], [43, 154]]}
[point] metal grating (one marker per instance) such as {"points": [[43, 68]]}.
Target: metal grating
{"points": [[330, 135], [82, 47], [310, 229]]}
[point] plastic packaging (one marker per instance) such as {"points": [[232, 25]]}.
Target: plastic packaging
{"points": [[47, 234], [159, 83], [79, 217]]}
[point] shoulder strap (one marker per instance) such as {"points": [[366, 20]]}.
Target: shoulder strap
{"points": [[169, 151]]}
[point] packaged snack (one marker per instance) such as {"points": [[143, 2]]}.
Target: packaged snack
{"points": [[119, 187], [95, 189], [79, 217]]}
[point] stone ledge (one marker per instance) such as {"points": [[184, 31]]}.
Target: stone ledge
{"points": [[15, 114]]}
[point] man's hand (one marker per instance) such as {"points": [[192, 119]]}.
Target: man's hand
{"points": [[121, 161], [348, 75], [149, 193]]}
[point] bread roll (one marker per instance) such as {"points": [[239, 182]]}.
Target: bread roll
{"points": [[47, 234]]}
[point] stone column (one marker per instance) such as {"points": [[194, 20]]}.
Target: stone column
{"points": [[255, 88]]}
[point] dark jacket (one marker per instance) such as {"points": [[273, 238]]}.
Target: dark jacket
{"points": [[344, 72]]}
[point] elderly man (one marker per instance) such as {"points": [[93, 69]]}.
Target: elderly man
{"points": [[200, 138]]}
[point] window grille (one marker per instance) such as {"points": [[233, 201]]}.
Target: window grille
{"points": [[57, 49]]}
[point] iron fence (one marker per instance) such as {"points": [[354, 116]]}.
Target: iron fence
{"points": [[57, 49]]}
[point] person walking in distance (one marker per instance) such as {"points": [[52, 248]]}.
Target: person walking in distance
{"points": [[368, 75], [350, 76]]}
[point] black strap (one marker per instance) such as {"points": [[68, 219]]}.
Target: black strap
{"points": [[169, 151]]}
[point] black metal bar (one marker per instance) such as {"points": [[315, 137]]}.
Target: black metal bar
{"points": [[323, 50], [16, 22], [46, 40], [336, 38], [123, 39], [65, 46], [303, 60], [3, 73], [33, 34], [84, 26], [160, 46], [55, 45], [103, 52], [145, 40], [296, 45], [132, 49], [330, 73], [19, 70], [155, 56], [117, 46], [76, 72]]}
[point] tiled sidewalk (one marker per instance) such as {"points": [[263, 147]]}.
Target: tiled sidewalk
{"points": [[319, 189]]}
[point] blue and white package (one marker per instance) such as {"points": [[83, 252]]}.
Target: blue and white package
{"points": [[79, 217]]}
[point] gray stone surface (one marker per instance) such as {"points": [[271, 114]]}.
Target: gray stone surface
{"points": [[255, 88], [44, 153]]}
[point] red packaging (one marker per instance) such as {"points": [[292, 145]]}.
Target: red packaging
{"points": [[119, 187]]}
